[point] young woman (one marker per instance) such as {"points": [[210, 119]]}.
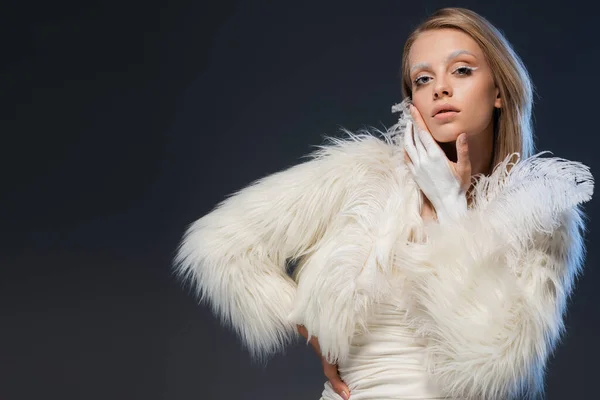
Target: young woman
{"points": [[431, 262]]}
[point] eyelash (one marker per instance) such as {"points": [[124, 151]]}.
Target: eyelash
{"points": [[468, 72]]}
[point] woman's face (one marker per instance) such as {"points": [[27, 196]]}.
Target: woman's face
{"points": [[448, 71]]}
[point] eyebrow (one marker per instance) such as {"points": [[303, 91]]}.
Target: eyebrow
{"points": [[452, 55]]}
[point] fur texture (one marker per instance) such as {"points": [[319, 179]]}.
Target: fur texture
{"points": [[489, 292], [324, 212]]}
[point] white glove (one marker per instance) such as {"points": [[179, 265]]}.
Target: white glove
{"points": [[431, 171]]}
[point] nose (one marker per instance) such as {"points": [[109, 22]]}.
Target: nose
{"points": [[441, 89]]}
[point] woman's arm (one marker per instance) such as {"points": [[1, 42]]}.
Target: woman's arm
{"points": [[236, 255], [490, 290]]}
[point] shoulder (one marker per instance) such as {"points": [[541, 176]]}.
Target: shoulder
{"points": [[557, 182], [361, 154]]}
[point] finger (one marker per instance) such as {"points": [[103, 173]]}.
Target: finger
{"points": [[409, 145], [463, 161], [408, 163], [418, 138], [417, 118], [338, 385], [429, 143], [340, 388], [423, 133], [331, 371]]}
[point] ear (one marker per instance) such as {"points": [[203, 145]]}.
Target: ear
{"points": [[498, 101]]}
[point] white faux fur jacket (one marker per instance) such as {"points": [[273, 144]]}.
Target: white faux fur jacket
{"points": [[489, 291]]}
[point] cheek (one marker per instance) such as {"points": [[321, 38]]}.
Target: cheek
{"points": [[422, 101], [418, 99], [475, 90], [478, 99]]}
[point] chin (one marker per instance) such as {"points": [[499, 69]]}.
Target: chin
{"points": [[445, 137]]}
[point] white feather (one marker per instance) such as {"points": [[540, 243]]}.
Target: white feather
{"points": [[490, 291]]}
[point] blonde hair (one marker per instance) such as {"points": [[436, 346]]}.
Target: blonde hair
{"points": [[512, 123]]}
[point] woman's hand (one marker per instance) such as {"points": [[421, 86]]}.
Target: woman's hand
{"points": [[442, 181], [330, 370]]}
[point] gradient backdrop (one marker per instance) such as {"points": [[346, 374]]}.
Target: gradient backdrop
{"points": [[125, 121]]}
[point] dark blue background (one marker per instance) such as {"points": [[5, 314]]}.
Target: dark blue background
{"points": [[122, 122]]}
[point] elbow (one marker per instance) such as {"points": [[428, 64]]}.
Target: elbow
{"points": [[246, 289]]}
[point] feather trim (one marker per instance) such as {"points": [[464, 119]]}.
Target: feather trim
{"points": [[490, 291]]}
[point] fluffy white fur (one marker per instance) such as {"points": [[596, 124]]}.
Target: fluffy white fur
{"points": [[489, 291], [236, 255]]}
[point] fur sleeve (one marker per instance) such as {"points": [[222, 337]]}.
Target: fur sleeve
{"points": [[236, 255], [351, 268], [490, 291]]}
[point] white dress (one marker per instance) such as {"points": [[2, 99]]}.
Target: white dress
{"points": [[387, 362]]}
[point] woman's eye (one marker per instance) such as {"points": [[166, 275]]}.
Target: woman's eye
{"points": [[463, 70], [421, 80]]}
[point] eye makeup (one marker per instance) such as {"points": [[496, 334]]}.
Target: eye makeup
{"points": [[468, 70]]}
